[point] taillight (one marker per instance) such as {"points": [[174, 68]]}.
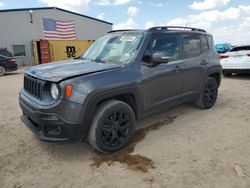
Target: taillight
{"points": [[224, 56], [12, 60]]}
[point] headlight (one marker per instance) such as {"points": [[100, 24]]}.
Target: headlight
{"points": [[54, 91]]}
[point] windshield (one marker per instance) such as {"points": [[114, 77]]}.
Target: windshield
{"points": [[114, 48]]}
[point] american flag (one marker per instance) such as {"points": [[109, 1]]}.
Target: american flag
{"points": [[54, 29]]}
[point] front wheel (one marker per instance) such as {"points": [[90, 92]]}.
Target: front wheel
{"points": [[112, 126], [209, 94], [2, 70]]}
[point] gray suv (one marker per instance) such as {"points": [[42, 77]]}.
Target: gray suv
{"points": [[124, 76]]}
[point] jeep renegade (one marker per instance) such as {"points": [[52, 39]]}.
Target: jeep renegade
{"points": [[124, 76]]}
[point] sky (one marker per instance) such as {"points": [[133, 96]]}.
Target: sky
{"points": [[227, 20]]}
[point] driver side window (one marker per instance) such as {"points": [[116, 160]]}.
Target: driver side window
{"points": [[164, 43]]}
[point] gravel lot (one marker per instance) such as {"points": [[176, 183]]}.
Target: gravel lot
{"points": [[183, 147]]}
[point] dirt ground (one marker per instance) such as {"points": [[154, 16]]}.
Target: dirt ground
{"points": [[183, 147]]}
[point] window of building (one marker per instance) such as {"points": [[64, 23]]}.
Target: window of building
{"points": [[191, 45], [19, 50]]}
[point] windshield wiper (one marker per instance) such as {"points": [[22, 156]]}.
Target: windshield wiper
{"points": [[99, 61]]}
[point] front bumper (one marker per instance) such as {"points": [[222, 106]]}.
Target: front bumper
{"points": [[12, 67], [51, 126]]}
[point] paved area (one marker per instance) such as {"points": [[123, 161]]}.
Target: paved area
{"points": [[183, 147]]}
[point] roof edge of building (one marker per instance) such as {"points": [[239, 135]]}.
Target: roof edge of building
{"points": [[44, 8]]}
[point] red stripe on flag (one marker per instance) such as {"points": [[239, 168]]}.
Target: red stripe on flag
{"points": [[60, 33], [65, 25], [65, 22]]}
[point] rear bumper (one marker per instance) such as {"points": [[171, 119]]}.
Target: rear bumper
{"points": [[49, 126], [226, 71]]}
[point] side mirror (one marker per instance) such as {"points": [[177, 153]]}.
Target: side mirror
{"points": [[160, 57]]}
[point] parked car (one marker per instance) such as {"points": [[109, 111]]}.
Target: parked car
{"points": [[124, 76], [7, 64], [223, 48], [5, 52], [237, 60]]}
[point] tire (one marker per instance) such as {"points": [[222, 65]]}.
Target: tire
{"points": [[209, 94], [227, 74], [112, 126], [2, 70]]}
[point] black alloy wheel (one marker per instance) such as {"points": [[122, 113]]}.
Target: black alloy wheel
{"points": [[115, 128], [209, 94], [2, 70], [112, 126]]}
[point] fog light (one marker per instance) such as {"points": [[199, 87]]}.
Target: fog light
{"points": [[54, 130]]}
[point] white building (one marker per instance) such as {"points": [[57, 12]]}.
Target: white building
{"points": [[19, 27]]}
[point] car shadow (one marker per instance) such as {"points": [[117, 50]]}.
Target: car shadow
{"points": [[67, 150], [80, 151], [12, 73], [239, 76]]}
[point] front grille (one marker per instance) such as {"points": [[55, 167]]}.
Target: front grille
{"points": [[34, 86]]}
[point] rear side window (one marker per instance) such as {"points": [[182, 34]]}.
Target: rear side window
{"points": [[5, 52], [166, 43], [204, 43], [191, 45], [240, 48], [211, 42]]}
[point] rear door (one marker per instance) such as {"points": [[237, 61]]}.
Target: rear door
{"points": [[195, 60]]}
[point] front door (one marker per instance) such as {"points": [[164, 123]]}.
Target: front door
{"points": [[162, 83]]}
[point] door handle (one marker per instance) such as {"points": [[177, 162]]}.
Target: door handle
{"points": [[204, 62], [177, 69]]}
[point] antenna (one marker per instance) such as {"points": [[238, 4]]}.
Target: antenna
{"points": [[186, 26]]}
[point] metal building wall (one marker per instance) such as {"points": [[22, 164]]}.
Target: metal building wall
{"points": [[16, 29]]}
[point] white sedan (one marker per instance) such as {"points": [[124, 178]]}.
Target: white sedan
{"points": [[236, 60]]}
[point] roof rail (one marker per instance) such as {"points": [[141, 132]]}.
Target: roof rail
{"points": [[175, 27], [113, 31]]}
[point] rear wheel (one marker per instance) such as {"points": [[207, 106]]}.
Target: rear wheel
{"points": [[112, 126], [2, 70], [209, 94]]}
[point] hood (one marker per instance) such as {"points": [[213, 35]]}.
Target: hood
{"points": [[59, 71]]}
